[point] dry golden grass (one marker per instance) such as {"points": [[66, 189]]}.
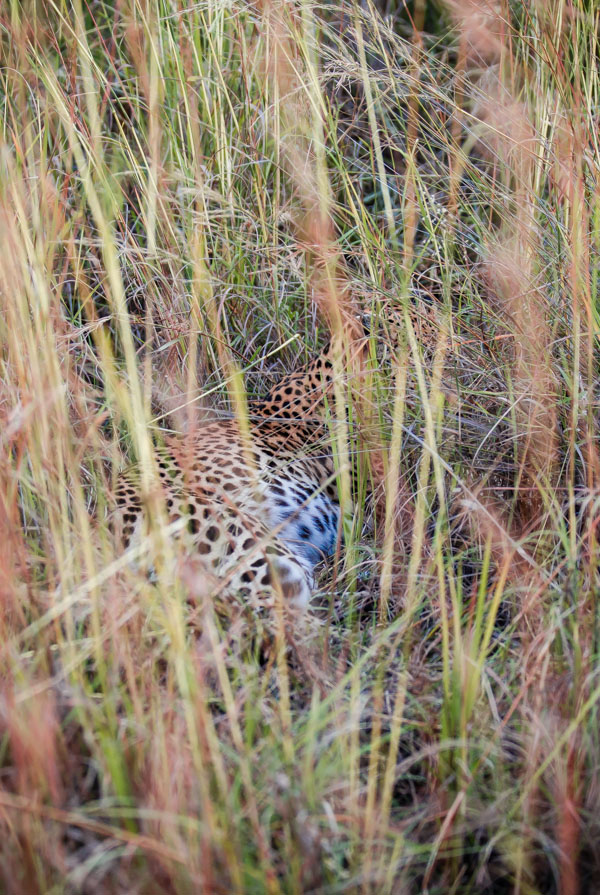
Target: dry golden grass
{"points": [[192, 198]]}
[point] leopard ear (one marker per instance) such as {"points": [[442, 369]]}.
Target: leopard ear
{"points": [[356, 326], [364, 324], [356, 334]]}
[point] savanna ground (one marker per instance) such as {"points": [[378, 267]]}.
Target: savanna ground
{"points": [[190, 196]]}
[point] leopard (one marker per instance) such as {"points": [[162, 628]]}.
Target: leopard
{"points": [[256, 497]]}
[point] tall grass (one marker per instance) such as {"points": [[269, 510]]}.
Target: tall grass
{"points": [[191, 199]]}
